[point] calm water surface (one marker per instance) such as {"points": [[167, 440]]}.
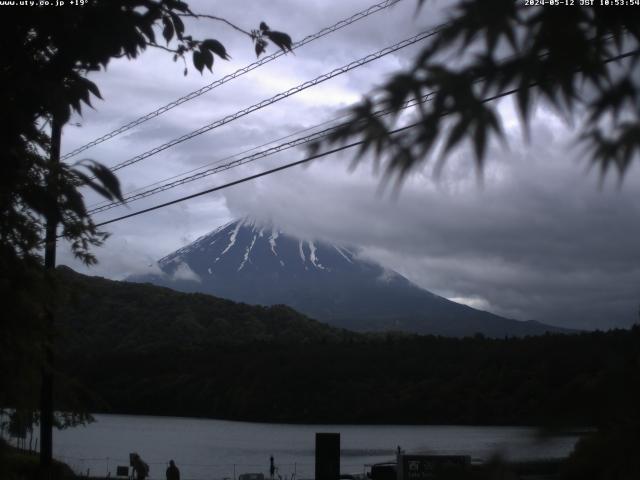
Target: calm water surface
{"points": [[216, 449]]}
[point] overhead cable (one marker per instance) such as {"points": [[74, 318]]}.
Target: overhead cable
{"points": [[280, 96], [290, 165], [159, 187], [207, 166], [315, 137], [262, 61]]}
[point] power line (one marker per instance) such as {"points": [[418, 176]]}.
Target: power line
{"points": [[246, 179], [231, 184], [130, 193], [133, 196], [280, 96], [190, 96], [300, 141], [293, 164], [227, 166], [621, 56]]}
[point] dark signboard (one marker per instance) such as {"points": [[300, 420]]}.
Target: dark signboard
{"points": [[251, 476], [427, 467], [384, 471], [122, 471], [327, 456]]}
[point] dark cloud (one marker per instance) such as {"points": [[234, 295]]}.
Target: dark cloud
{"points": [[539, 240]]}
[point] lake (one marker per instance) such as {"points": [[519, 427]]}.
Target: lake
{"points": [[216, 449]]}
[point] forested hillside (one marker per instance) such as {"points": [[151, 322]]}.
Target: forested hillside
{"points": [[586, 379], [145, 349], [97, 315]]}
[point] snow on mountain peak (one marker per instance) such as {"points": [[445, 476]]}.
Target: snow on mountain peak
{"points": [[247, 245], [256, 262]]}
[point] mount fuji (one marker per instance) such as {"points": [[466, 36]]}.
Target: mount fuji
{"points": [[255, 263]]}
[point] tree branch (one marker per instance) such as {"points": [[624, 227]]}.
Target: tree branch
{"points": [[162, 47], [219, 19]]}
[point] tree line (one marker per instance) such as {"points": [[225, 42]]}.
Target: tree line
{"points": [[588, 379]]}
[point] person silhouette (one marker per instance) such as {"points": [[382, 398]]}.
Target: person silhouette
{"points": [[172, 471], [140, 467]]}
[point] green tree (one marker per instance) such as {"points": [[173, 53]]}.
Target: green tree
{"points": [[47, 53], [580, 60], [47, 56]]}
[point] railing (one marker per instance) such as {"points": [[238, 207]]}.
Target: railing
{"points": [[105, 467]]}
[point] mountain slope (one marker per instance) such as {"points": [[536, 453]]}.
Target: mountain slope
{"points": [[258, 264], [97, 315]]}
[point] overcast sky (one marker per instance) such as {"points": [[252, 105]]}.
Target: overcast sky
{"points": [[538, 239]]}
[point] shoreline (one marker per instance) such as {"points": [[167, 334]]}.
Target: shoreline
{"points": [[18, 464], [567, 430]]}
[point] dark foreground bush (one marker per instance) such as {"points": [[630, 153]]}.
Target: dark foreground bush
{"points": [[19, 465], [611, 453]]}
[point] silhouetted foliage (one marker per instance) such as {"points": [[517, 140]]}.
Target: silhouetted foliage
{"points": [[613, 452], [20, 465], [282, 40], [582, 61], [47, 55]]}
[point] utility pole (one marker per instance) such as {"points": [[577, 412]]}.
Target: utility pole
{"points": [[46, 391]]}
